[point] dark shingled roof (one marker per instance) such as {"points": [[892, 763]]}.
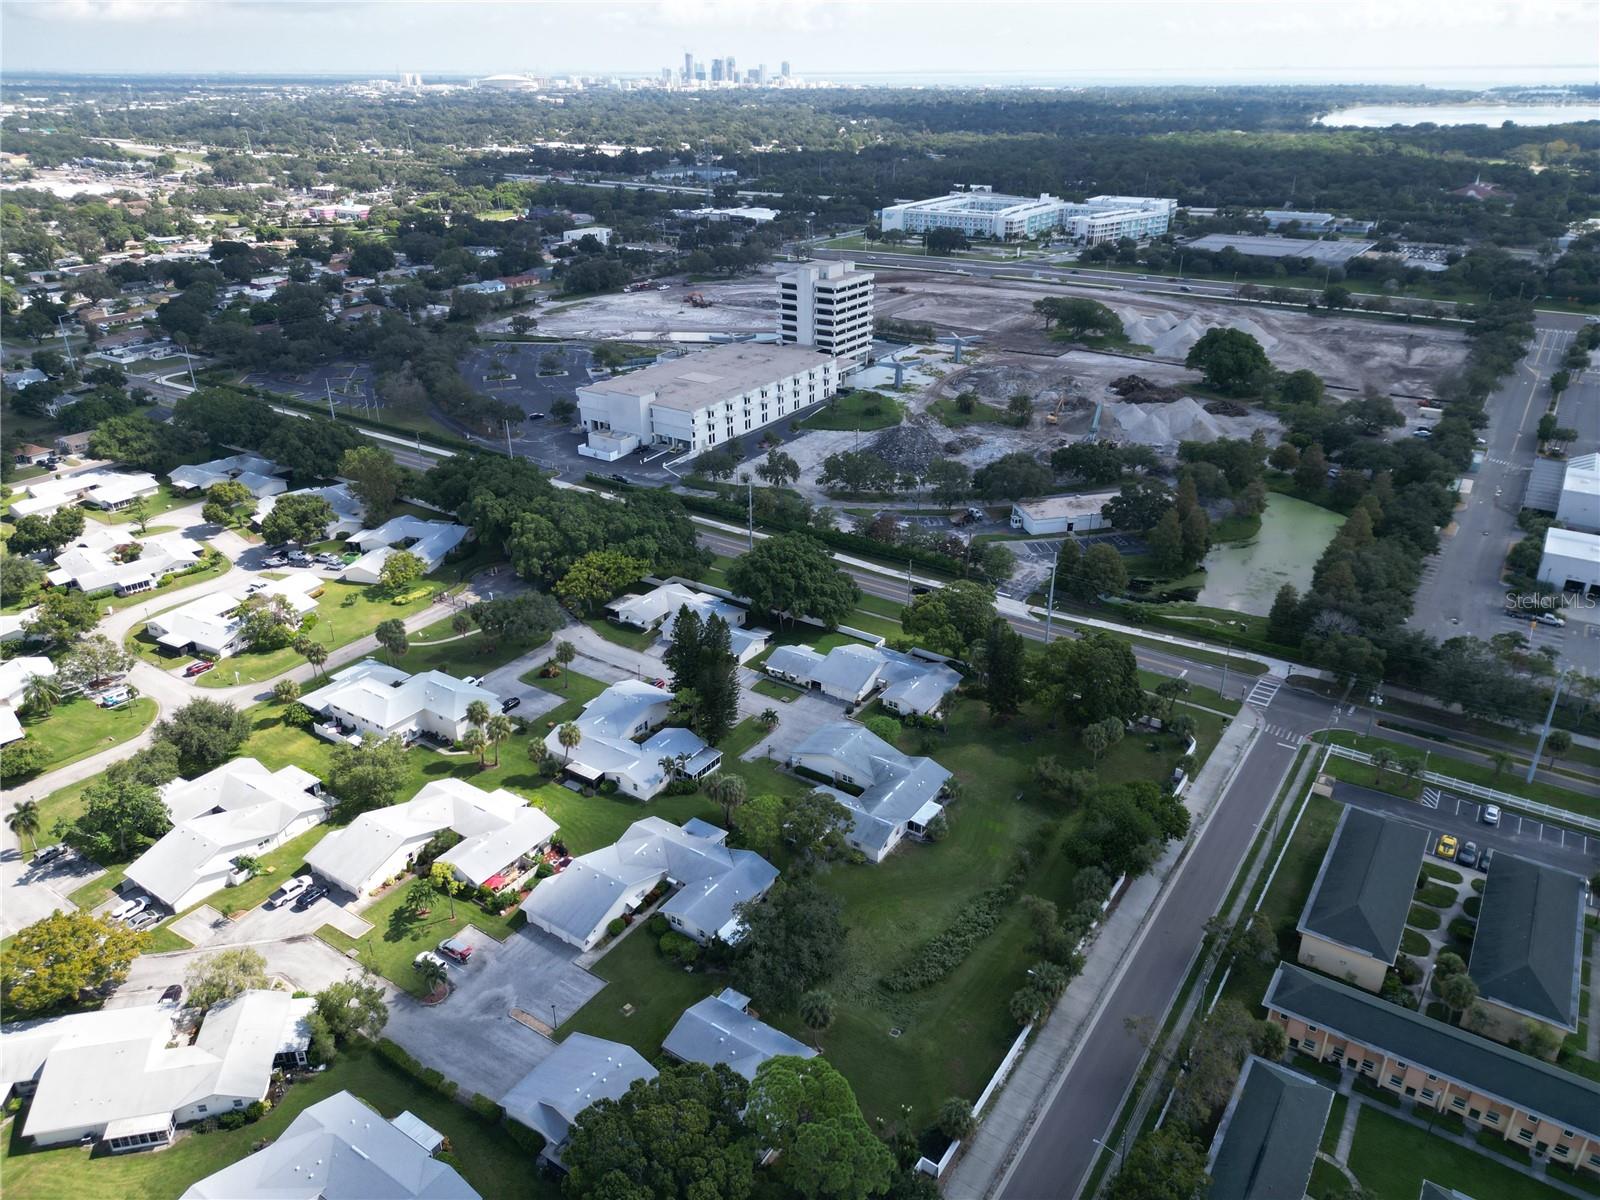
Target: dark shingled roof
{"points": [[1269, 1135], [1434, 1191], [1450, 1053], [1365, 886], [1528, 952]]}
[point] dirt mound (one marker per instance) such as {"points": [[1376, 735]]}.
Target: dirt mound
{"points": [[909, 446], [1226, 408], [1164, 425], [995, 383], [1136, 389]]}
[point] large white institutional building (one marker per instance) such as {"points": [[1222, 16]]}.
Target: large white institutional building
{"points": [[980, 211], [827, 305]]}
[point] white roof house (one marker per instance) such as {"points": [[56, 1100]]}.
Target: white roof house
{"points": [[659, 609], [371, 699], [598, 887], [889, 794], [852, 672], [91, 564], [609, 725], [337, 1149], [247, 810], [1571, 560], [349, 514], [428, 540], [260, 475], [1579, 505], [10, 727], [16, 673], [378, 845], [1076, 513], [99, 487], [580, 1071], [122, 1082], [13, 626], [720, 1029], [212, 625]]}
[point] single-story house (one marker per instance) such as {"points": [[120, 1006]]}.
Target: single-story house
{"points": [[97, 487], [121, 1081], [249, 810], [497, 829], [1529, 1103], [853, 672], [720, 1029], [371, 699], [1357, 909], [30, 455], [578, 1072], [74, 443], [428, 540], [262, 476], [15, 675], [98, 561], [596, 888], [349, 514], [1079, 513], [889, 794], [213, 625], [14, 626], [338, 1149], [1527, 953], [1269, 1136], [609, 748], [659, 608], [21, 381]]}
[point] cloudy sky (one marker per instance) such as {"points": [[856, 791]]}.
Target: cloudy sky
{"points": [[1467, 42]]}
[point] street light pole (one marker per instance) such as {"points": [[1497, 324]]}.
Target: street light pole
{"points": [[1050, 603], [1533, 763]]}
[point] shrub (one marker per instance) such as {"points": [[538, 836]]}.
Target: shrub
{"points": [[682, 950], [1471, 905], [1436, 895], [616, 926], [544, 870], [1422, 917], [298, 716], [530, 1141], [948, 949], [234, 1119], [1409, 970], [657, 925], [485, 1107], [1463, 929], [257, 1109]]}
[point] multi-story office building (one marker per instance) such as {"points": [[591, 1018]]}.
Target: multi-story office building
{"points": [[703, 400], [827, 305], [982, 212]]}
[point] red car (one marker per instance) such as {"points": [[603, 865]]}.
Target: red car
{"points": [[197, 668]]}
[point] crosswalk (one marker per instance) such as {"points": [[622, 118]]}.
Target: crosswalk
{"points": [[1288, 738], [1430, 797], [1265, 689]]}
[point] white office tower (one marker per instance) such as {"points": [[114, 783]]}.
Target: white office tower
{"points": [[827, 305]]}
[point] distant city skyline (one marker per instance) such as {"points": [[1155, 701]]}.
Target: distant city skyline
{"points": [[1466, 43]]}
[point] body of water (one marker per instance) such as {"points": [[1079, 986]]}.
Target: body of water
{"points": [[1381, 116], [1245, 576]]}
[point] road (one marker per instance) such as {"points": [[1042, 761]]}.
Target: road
{"points": [[1461, 591]]}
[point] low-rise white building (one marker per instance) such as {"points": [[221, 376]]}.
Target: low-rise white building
{"points": [[1081, 512], [1579, 505], [112, 558], [15, 675], [599, 233], [497, 830], [721, 1029], [239, 809], [98, 487], [659, 608], [262, 476], [889, 794], [1571, 560], [430, 541], [213, 626], [577, 1073], [374, 700], [621, 739], [704, 399], [980, 211], [349, 514], [120, 1079], [850, 673]]}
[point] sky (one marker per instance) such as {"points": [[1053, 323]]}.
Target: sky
{"points": [[1468, 43]]}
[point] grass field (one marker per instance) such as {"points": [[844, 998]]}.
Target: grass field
{"points": [[948, 413], [1392, 1158], [637, 975], [621, 635], [483, 1153], [164, 500], [77, 728], [398, 936], [858, 410]]}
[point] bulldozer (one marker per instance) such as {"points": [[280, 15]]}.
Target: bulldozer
{"points": [[698, 300]]}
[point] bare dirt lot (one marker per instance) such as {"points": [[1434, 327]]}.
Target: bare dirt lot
{"points": [[1347, 351], [748, 305]]}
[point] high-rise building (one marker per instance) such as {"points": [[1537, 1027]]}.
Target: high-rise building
{"points": [[827, 305], [716, 70], [761, 73], [730, 70], [784, 70]]}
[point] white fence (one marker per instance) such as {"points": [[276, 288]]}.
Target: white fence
{"points": [[1487, 794], [937, 1169]]}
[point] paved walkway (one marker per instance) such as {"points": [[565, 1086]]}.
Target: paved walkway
{"points": [[1019, 1101]]}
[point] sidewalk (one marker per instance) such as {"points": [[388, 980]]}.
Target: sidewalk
{"points": [[1007, 1120]]}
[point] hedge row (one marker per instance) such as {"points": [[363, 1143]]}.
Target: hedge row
{"points": [[438, 439], [949, 949], [426, 1075]]}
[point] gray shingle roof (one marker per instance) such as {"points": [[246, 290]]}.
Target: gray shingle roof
{"points": [[1434, 1191], [1269, 1134], [1528, 952], [578, 1072], [1451, 1053], [719, 1030], [1364, 888]]}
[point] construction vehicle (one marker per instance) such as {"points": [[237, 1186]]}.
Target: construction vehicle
{"points": [[698, 300], [1053, 417]]}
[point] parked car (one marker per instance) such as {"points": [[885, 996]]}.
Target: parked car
{"points": [[309, 897], [1490, 814], [537, 416], [455, 948], [173, 994], [1550, 618], [129, 908], [290, 888], [299, 558], [1446, 849], [50, 854], [199, 667], [144, 919], [1424, 432], [428, 956], [1468, 857], [330, 559], [510, 703], [274, 560], [115, 697], [473, 681], [255, 587], [1487, 860]]}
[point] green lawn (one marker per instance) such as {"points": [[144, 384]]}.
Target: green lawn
{"points": [[949, 414], [470, 655], [346, 612], [637, 975], [1392, 1158], [858, 410], [165, 500], [398, 936], [483, 1153], [772, 689], [77, 728], [622, 635]]}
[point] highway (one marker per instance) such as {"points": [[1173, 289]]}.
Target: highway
{"points": [[1027, 270]]}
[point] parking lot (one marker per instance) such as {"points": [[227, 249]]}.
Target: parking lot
{"points": [[349, 384], [472, 1036], [1035, 558]]}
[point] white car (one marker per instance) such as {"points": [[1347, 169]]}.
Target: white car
{"points": [[291, 888], [1491, 814], [1549, 618], [131, 907]]}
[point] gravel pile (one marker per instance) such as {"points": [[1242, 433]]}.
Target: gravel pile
{"points": [[909, 446], [1165, 425]]}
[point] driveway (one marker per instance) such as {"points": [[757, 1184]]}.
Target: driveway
{"points": [[262, 924], [305, 963], [797, 720], [472, 1036]]}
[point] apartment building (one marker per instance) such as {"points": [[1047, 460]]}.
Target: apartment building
{"points": [[827, 305], [982, 212]]}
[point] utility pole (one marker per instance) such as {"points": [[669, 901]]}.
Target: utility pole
{"points": [[188, 361], [509, 453], [908, 581], [66, 343], [1050, 604], [750, 514], [328, 388], [1550, 714]]}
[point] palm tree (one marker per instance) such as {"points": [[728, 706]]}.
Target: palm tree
{"points": [[565, 653], [816, 1014], [726, 790], [538, 753], [499, 730], [314, 652], [569, 735], [23, 820], [1501, 761], [769, 718], [1383, 759], [478, 713], [432, 973], [473, 742], [41, 694]]}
